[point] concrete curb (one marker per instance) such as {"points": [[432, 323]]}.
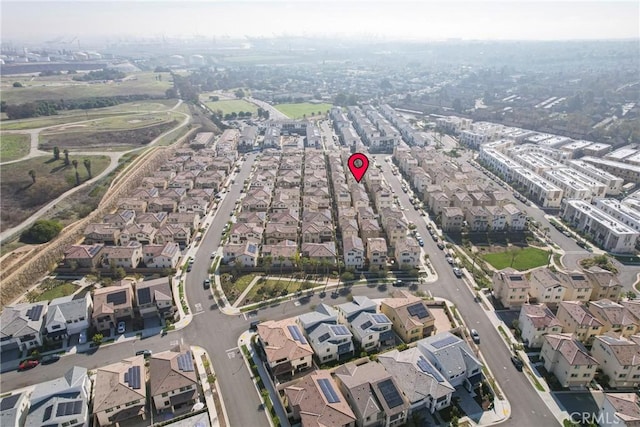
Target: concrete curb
{"points": [[198, 352]]}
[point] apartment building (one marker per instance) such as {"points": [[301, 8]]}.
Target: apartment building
{"points": [[624, 213], [626, 171], [612, 183], [603, 229]]}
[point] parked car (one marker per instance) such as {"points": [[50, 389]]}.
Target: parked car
{"points": [[189, 268], [449, 259], [145, 353], [457, 272], [398, 283], [122, 327], [516, 362], [421, 242], [27, 364], [440, 245], [51, 358], [434, 237], [206, 283], [475, 336]]}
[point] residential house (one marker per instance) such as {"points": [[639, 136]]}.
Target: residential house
{"points": [[565, 357], [241, 232], [316, 401], [155, 219], [497, 218], [161, 256], [120, 392], [396, 229], [287, 351], [67, 316], [575, 319], [452, 219], [516, 219], [112, 304], [83, 256], [316, 232], [162, 204], [410, 315], [128, 257], [101, 233], [323, 314], [478, 218], [276, 232], [184, 219], [453, 359], [63, 401], [121, 218], [154, 298], [419, 380], [535, 321], [174, 233], [173, 382], [320, 252], [372, 330], [348, 311], [619, 360], [619, 410], [577, 286], [510, 287], [605, 284], [21, 326], [331, 342], [369, 229], [546, 287], [377, 252], [142, 233], [373, 394], [353, 250], [407, 253], [614, 317], [243, 254]]}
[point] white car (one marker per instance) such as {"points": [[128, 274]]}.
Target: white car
{"points": [[122, 327]]}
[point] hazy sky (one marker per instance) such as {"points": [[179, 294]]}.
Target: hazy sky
{"points": [[427, 19]]}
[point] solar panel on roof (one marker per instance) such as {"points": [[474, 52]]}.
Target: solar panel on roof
{"points": [[390, 393], [324, 337], [366, 325], [427, 368], [35, 312], [380, 318], [328, 391], [144, 296], [117, 298], [577, 277], [418, 310], [132, 376], [93, 250], [296, 334], [451, 339], [185, 362], [340, 330]]}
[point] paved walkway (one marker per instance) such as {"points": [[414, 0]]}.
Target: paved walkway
{"points": [[198, 352]]}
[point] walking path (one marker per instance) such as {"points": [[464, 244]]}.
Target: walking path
{"points": [[198, 352]]}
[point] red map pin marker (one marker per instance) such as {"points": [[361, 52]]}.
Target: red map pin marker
{"points": [[358, 165]]}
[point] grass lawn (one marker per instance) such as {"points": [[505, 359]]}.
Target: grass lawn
{"points": [[273, 288], [57, 292], [297, 111], [232, 106], [21, 197], [518, 258], [63, 87], [13, 146]]}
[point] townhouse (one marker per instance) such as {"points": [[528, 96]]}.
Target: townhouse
{"points": [[535, 321], [619, 360], [510, 287], [576, 319], [172, 380], [286, 349], [567, 358], [411, 318]]}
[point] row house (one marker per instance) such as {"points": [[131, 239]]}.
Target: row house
{"points": [[127, 257], [535, 321], [316, 232], [281, 254], [242, 232], [577, 320], [278, 232], [112, 304], [411, 318], [320, 252], [353, 250], [286, 350], [376, 251], [619, 359], [175, 233], [452, 219], [510, 287], [567, 358], [407, 253], [614, 317]]}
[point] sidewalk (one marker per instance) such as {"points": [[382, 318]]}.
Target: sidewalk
{"points": [[198, 352], [245, 339]]}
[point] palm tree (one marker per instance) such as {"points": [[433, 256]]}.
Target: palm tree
{"points": [[266, 262], [32, 174], [66, 157], [56, 153], [281, 259], [87, 165]]}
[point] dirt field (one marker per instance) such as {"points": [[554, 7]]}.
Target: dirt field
{"points": [[76, 139], [21, 197]]}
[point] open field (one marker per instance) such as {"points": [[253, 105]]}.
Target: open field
{"points": [[13, 146], [21, 197], [232, 106], [517, 258], [117, 140], [297, 111], [119, 122], [63, 87], [83, 115]]}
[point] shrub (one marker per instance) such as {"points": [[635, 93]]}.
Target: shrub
{"points": [[42, 231]]}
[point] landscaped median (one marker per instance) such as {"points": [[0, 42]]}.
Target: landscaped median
{"points": [[262, 389]]}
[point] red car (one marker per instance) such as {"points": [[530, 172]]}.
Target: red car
{"points": [[28, 364]]}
